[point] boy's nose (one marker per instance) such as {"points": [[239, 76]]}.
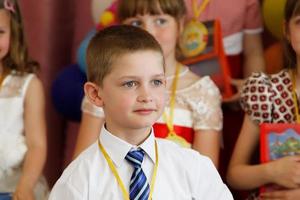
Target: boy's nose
{"points": [[144, 96]]}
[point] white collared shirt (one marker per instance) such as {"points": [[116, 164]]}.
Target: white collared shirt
{"points": [[182, 173]]}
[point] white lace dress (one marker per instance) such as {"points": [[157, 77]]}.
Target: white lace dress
{"points": [[12, 141]]}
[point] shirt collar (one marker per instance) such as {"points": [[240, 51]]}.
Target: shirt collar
{"points": [[117, 148]]}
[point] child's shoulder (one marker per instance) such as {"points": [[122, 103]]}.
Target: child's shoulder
{"points": [[174, 153], [267, 79], [78, 171], [76, 177], [261, 93], [188, 80], [16, 84], [192, 82]]}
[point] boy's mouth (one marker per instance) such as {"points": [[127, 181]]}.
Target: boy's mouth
{"points": [[144, 111]]}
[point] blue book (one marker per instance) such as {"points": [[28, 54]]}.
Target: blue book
{"points": [[5, 196]]}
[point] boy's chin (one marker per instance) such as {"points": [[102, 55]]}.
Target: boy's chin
{"points": [[143, 124]]}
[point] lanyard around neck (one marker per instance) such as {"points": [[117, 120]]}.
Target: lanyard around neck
{"points": [[169, 119], [198, 9], [295, 99], [117, 176]]}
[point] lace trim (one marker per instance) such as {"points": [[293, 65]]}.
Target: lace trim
{"points": [[203, 99], [14, 85], [179, 75]]}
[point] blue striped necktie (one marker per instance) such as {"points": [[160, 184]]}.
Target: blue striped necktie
{"points": [[139, 188]]}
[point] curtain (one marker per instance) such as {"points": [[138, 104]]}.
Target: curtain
{"points": [[54, 29]]}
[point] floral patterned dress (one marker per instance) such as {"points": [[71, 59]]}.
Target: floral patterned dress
{"points": [[268, 99]]}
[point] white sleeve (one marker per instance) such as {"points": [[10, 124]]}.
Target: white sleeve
{"points": [[65, 191], [88, 107], [210, 185]]}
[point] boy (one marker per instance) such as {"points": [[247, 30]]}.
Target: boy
{"points": [[126, 78]]}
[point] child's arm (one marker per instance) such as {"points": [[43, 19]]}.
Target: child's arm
{"points": [[89, 131], [253, 54], [253, 61], [207, 142], [35, 134], [242, 175], [282, 194]]}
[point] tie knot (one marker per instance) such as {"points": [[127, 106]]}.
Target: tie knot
{"points": [[135, 157]]}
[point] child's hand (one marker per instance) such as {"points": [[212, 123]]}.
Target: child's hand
{"points": [[282, 195], [23, 192], [286, 171]]}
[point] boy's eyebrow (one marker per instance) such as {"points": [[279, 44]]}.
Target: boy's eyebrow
{"points": [[162, 75]]}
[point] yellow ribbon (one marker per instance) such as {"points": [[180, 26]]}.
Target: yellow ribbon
{"points": [[198, 9], [169, 119], [117, 176], [295, 99]]}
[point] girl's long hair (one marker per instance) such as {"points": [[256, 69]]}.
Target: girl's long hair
{"points": [[292, 9], [17, 57]]}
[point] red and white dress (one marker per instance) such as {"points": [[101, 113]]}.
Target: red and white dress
{"points": [[198, 107], [268, 99]]}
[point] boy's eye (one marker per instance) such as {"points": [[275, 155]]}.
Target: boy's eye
{"points": [[157, 82], [130, 84]]}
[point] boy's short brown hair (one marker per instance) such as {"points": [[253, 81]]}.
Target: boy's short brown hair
{"points": [[111, 43]]}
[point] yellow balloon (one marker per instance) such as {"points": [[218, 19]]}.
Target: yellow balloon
{"points": [[98, 7], [107, 18], [273, 14]]}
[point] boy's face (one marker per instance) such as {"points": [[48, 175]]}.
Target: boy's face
{"points": [[133, 93]]}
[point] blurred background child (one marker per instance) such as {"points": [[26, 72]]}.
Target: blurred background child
{"points": [[269, 99], [241, 31], [22, 114]]}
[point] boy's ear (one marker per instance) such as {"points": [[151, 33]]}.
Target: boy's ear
{"points": [[91, 91]]}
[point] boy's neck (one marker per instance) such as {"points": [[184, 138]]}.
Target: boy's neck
{"points": [[131, 136]]}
